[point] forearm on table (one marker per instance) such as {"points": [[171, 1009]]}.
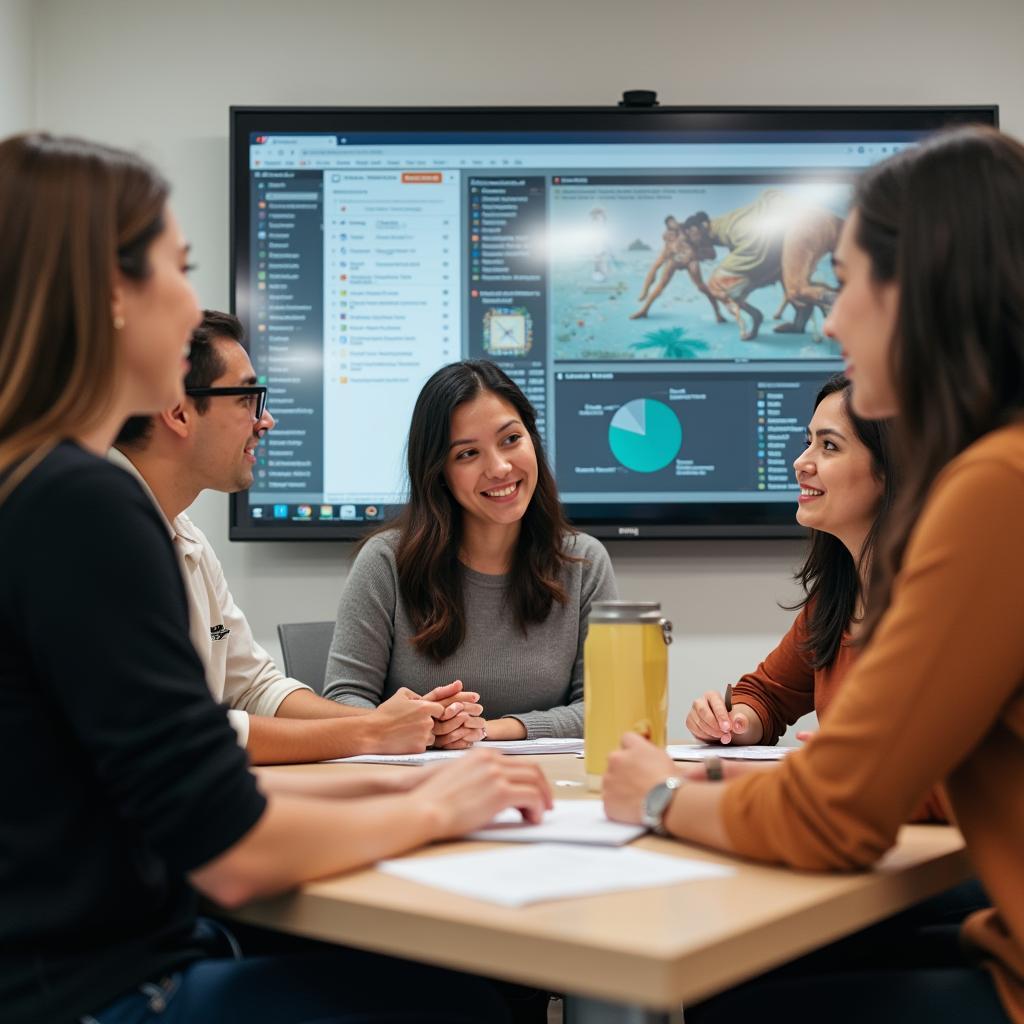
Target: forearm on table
{"points": [[504, 729], [339, 784], [554, 723], [306, 704], [296, 741], [301, 838], [695, 815]]}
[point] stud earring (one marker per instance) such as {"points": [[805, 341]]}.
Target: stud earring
{"points": [[118, 323]]}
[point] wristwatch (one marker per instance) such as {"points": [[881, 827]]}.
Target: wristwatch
{"points": [[656, 804]]}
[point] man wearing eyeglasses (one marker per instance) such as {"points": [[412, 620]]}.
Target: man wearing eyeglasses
{"points": [[208, 441]]}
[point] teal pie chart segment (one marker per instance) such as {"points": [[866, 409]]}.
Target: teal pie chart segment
{"points": [[645, 435]]}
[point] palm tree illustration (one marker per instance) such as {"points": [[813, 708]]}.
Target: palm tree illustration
{"points": [[673, 343]]}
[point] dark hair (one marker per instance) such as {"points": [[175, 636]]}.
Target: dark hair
{"points": [[945, 221], [205, 366], [430, 527], [696, 220], [70, 212], [830, 576]]}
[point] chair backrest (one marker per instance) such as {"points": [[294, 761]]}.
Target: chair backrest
{"points": [[304, 647]]}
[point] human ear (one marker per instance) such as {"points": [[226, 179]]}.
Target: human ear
{"points": [[177, 420]]}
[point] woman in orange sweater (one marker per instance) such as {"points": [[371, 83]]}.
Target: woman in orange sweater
{"points": [[931, 320]]}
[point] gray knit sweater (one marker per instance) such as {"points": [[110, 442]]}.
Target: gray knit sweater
{"points": [[537, 677]]}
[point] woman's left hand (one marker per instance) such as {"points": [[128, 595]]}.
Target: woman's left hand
{"points": [[633, 771], [462, 731]]}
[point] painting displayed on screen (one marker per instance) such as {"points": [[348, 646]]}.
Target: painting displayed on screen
{"points": [[694, 272]]}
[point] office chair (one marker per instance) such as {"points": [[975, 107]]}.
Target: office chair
{"points": [[304, 647]]}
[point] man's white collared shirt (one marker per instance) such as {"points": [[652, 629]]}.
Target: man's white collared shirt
{"points": [[239, 672]]}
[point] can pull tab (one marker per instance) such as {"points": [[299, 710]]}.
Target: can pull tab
{"points": [[666, 630]]}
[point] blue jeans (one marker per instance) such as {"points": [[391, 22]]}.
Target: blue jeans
{"points": [[906, 969], [320, 986]]}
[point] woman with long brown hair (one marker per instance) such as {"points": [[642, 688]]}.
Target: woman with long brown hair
{"points": [[125, 792], [931, 320], [481, 579]]}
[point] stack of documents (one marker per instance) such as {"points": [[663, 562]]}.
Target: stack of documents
{"points": [[550, 871], [540, 746], [545, 745], [701, 751], [571, 821]]}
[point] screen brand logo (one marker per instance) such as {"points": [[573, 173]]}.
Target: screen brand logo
{"points": [[629, 531]]}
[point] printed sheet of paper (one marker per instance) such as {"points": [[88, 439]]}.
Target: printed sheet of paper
{"points": [[571, 821], [546, 745], [522, 875], [700, 752], [427, 757]]}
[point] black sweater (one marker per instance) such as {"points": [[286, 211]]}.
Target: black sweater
{"points": [[119, 772]]}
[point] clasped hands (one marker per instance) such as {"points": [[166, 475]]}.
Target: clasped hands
{"points": [[446, 718], [461, 723]]}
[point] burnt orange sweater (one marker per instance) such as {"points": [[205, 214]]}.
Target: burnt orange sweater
{"points": [[937, 696], [786, 686]]}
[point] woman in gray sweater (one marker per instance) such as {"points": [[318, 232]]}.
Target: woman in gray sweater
{"points": [[480, 580]]}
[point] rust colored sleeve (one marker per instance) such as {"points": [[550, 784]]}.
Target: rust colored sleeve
{"points": [[781, 688]]}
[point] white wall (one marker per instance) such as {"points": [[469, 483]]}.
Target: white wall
{"points": [[161, 77], [16, 83]]}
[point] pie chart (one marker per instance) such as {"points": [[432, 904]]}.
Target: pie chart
{"points": [[645, 435]]}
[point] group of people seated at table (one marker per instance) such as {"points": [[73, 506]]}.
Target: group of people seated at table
{"points": [[131, 793]]}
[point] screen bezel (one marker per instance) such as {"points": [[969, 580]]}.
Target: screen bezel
{"points": [[681, 521]]}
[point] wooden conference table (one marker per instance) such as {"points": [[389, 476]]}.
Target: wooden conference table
{"points": [[621, 957]]}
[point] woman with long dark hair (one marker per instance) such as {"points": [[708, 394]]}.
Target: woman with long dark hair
{"points": [[481, 579], [847, 483], [931, 320], [126, 793]]}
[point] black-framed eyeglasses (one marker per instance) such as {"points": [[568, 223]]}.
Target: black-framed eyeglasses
{"points": [[256, 392]]}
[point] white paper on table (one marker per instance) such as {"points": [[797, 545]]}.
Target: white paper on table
{"points": [[700, 752], [571, 821], [426, 757], [545, 745], [521, 875]]}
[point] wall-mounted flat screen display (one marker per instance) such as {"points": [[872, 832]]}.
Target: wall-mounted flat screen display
{"points": [[655, 280]]}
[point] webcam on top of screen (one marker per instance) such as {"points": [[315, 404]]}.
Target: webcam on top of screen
{"points": [[639, 98]]}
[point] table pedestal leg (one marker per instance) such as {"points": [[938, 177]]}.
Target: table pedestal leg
{"points": [[580, 1010]]}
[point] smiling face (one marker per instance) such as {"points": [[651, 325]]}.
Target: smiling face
{"points": [[225, 436], [863, 321], [491, 469], [839, 492]]}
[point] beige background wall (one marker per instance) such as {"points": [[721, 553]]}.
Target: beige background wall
{"points": [[16, 78], [160, 76]]}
